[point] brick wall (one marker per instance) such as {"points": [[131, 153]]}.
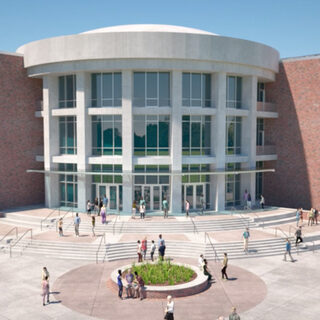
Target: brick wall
{"points": [[21, 135], [296, 134]]}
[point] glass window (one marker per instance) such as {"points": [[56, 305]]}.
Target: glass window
{"points": [[68, 185], [232, 188], [67, 91], [151, 135], [107, 178], [233, 135], [151, 89], [106, 89], [259, 180], [68, 135], [107, 135], [261, 92], [260, 132], [154, 178], [196, 90], [234, 92], [195, 178], [196, 135]]}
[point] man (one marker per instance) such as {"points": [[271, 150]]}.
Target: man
{"points": [[203, 204], [311, 217], [299, 235], [105, 201], [201, 262], [129, 284], [161, 247], [297, 217], [224, 267], [288, 251], [165, 208], [77, 221], [262, 201], [246, 236], [234, 315], [45, 277]]}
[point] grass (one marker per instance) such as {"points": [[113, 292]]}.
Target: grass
{"points": [[163, 273]]}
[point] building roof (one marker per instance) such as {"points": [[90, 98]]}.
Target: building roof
{"points": [[149, 28], [307, 57]]}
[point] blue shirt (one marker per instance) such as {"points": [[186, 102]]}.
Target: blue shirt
{"points": [[288, 246], [119, 280], [105, 201], [165, 204], [77, 220], [161, 243], [246, 234]]}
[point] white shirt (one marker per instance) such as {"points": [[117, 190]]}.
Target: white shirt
{"points": [[200, 262], [170, 307], [153, 247]]}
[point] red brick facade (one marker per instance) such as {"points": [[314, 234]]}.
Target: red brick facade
{"points": [[21, 135], [296, 135]]}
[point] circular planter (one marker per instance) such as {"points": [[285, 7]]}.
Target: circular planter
{"points": [[199, 284]]}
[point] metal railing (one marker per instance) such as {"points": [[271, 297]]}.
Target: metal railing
{"points": [[266, 106], [57, 221], [97, 252], [13, 245], [114, 225], [47, 217], [14, 228], [195, 229], [206, 236]]}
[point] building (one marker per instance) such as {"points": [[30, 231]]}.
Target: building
{"points": [[159, 111]]}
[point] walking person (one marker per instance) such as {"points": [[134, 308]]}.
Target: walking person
{"points": [[142, 209], [89, 207], [311, 217], [288, 251], [139, 251], [144, 247], [100, 206], [298, 235], [246, 236], [45, 291], [206, 270], [169, 310], [301, 215], [77, 221], [224, 267], [153, 249], [202, 203], [262, 201], [187, 208], [60, 227], [96, 205], [103, 215], [134, 209], [249, 201], [93, 223], [165, 208], [234, 315], [298, 217], [120, 285]]}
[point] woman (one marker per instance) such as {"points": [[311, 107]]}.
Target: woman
{"points": [[142, 211], [88, 207], [139, 251], [103, 215], [139, 286], [134, 209], [100, 206], [60, 226], [120, 285], [96, 205], [169, 309], [93, 222], [144, 248], [187, 208], [45, 290], [206, 269]]}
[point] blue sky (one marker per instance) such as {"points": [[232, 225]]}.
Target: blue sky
{"points": [[290, 26]]}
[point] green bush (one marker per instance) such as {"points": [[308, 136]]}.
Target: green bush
{"points": [[163, 272]]}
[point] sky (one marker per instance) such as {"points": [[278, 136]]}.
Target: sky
{"points": [[290, 26]]}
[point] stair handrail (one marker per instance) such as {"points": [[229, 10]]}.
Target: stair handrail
{"points": [[97, 252], [46, 218], [13, 245], [291, 227], [213, 248], [57, 221], [114, 224], [258, 218], [14, 228], [195, 229]]}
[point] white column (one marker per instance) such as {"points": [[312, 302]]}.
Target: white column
{"points": [[83, 139], [219, 138], [50, 139], [249, 128], [176, 142], [127, 141]]}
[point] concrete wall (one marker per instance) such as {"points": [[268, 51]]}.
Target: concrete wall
{"points": [[21, 135]]}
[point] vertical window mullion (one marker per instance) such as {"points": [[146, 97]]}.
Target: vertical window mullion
{"points": [[101, 92]]}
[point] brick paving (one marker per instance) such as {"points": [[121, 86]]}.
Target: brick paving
{"points": [[68, 237], [4, 228]]}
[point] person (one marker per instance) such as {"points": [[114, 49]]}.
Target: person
{"points": [[169, 310], [161, 247], [297, 217], [262, 202], [93, 222], [234, 315], [139, 251], [245, 197], [201, 262], [288, 251], [45, 290], [202, 203], [187, 208], [153, 249], [140, 286], [224, 267], [100, 206], [206, 269], [120, 285], [103, 215], [142, 208], [311, 217], [165, 208], [301, 215], [77, 221], [96, 205], [246, 236], [298, 235], [134, 209], [129, 285], [60, 226], [316, 214], [249, 201], [45, 274], [144, 247], [88, 207], [105, 201]]}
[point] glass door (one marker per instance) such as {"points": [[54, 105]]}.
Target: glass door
{"points": [[113, 203], [102, 191], [156, 198], [147, 197], [189, 195], [199, 194]]}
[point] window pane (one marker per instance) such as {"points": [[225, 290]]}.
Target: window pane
{"points": [[163, 134], [186, 134], [152, 134], [117, 134], [70, 90], [61, 91], [62, 133], [207, 90], [186, 89], [196, 86], [164, 89], [117, 85], [239, 92], [139, 133], [107, 134], [139, 89], [152, 91], [195, 135], [107, 86], [70, 192]]}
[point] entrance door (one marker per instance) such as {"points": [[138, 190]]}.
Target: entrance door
{"points": [[193, 193], [153, 195], [113, 193]]}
